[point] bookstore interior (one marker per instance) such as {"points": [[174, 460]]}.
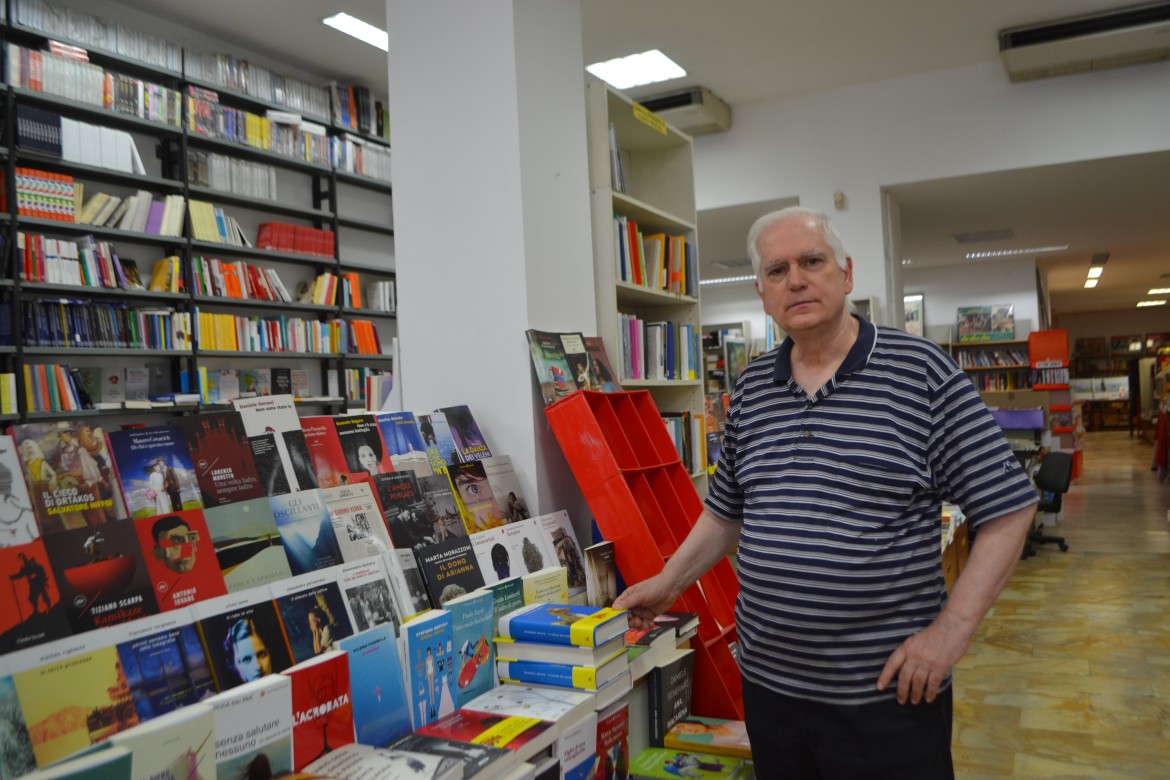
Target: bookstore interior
{"points": [[221, 564]]}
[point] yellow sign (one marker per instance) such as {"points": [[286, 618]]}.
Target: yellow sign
{"points": [[649, 118]]}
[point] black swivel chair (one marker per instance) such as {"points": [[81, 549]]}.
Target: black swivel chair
{"points": [[1052, 480]]}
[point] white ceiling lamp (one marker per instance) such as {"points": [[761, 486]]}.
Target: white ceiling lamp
{"points": [[1159, 291], [1096, 271], [1090, 284], [1035, 250], [649, 67], [728, 280], [363, 31], [1142, 304]]}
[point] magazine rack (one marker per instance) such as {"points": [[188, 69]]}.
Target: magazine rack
{"points": [[644, 501]]}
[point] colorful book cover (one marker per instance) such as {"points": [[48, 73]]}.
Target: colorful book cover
{"points": [[585, 678], [574, 625], [477, 503], [180, 744], [328, 460], [553, 374], [410, 594], [613, 742], [255, 381], [404, 509], [436, 436], [278, 443], [164, 663], [441, 506], [321, 706], [478, 760], [525, 736], [403, 442], [449, 569], [102, 575], [247, 544], [155, 471], [668, 692], [18, 523], [31, 611], [470, 443], [576, 748], [601, 374], [243, 637], [550, 585], [222, 456], [600, 575], [428, 655], [16, 755], [511, 550], [561, 541], [508, 594], [472, 630], [361, 441], [505, 487], [669, 764], [74, 702], [181, 570], [357, 521], [306, 530], [535, 701], [253, 729], [381, 711], [368, 594], [313, 613], [710, 735], [68, 473], [367, 762]]}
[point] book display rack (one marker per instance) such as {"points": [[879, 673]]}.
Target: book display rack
{"points": [[643, 501], [318, 187], [994, 366], [1048, 351]]}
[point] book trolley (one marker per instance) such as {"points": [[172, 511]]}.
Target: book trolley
{"points": [[643, 500]]}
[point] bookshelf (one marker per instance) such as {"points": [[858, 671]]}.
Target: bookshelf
{"points": [[994, 366], [652, 189], [1049, 355], [307, 190]]}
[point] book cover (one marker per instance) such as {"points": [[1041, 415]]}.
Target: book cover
{"points": [[406, 583], [312, 611], [361, 441], [719, 736], [436, 436], [71, 703], [403, 442], [535, 701], [31, 610], [381, 711], [164, 663], [524, 736], [366, 762], [561, 541], [470, 443], [550, 585], [278, 443], [505, 486], [101, 574], [480, 762], [548, 652], [103, 762], [247, 544], [600, 575], [574, 625], [656, 762], [177, 746], [429, 660], [586, 678], [368, 594], [306, 530], [576, 355], [243, 637], [404, 509], [601, 374], [441, 506], [181, 570], [511, 550], [253, 729], [449, 569], [553, 374], [472, 630], [576, 748], [328, 459], [613, 742], [67, 471], [668, 692], [16, 756], [113, 386], [357, 521], [477, 503], [137, 384], [255, 381], [18, 524], [155, 471], [322, 709], [508, 594], [222, 457]]}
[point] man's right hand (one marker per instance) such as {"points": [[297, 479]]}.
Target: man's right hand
{"points": [[647, 600]]}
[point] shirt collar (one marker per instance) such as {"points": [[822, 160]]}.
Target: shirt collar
{"points": [[854, 361]]}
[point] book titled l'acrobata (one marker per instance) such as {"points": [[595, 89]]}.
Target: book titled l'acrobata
{"points": [[563, 624]]}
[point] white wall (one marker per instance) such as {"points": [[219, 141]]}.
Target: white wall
{"points": [[956, 122], [985, 284]]}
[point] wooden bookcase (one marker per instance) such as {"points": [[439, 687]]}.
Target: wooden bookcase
{"points": [[996, 366]]}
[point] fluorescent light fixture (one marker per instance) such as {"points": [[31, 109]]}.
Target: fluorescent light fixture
{"points": [[728, 279], [1090, 284], [907, 261], [1161, 302], [1159, 291], [1096, 271], [363, 31], [649, 67], [1035, 250]]}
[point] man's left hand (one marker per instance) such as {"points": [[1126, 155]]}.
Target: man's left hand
{"points": [[923, 661]]}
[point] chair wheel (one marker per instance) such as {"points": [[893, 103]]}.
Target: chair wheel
{"points": [[1064, 548]]}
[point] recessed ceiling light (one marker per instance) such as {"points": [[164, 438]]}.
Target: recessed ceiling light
{"points": [[1159, 291], [1035, 250], [649, 67], [907, 261], [363, 31], [1090, 284], [1096, 271], [728, 279], [1161, 302]]}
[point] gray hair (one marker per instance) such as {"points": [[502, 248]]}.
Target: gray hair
{"points": [[832, 237]]}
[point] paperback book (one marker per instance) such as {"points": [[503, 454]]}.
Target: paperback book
{"points": [[312, 612], [278, 443], [180, 744], [508, 595], [164, 663], [155, 471], [669, 689], [357, 521], [381, 711], [429, 659], [510, 550], [247, 544], [534, 701], [404, 443], [600, 575], [442, 507], [70, 482], [368, 595], [472, 629], [306, 530], [477, 503], [181, 570], [470, 443], [549, 585], [365, 762], [526, 737], [224, 467], [553, 374], [449, 569], [31, 610], [601, 374], [548, 652], [668, 764], [17, 757], [328, 460], [405, 510], [436, 436], [361, 441], [253, 729], [321, 707], [710, 735], [576, 748], [243, 637], [479, 762], [505, 486], [104, 762], [406, 583], [562, 541], [18, 524], [613, 741], [571, 625]]}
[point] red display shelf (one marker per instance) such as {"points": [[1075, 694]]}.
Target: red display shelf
{"points": [[643, 500], [1050, 387]]}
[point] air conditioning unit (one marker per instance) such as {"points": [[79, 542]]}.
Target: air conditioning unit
{"points": [[696, 110], [1129, 36]]}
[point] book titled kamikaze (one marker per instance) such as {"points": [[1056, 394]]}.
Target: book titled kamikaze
{"points": [[571, 625], [253, 729], [321, 706]]}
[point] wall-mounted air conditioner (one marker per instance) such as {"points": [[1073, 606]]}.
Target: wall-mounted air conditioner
{"points": [[696, 110]]}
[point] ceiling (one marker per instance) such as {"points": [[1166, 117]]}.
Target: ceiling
{"points": [[753, 50]]}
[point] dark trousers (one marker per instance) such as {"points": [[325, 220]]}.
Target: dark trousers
{"points": [[796, 739]]}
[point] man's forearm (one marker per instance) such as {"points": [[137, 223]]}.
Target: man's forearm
{"points": [[710, 540]]}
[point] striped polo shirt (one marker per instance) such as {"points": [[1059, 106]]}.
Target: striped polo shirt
{"points": [[839, 495]]}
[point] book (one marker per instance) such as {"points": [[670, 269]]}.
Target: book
{"points": [[306, 530], [164, 663], [180, 744], [470, 443], [243, 637], [668, 692], [534, 701], [224, 467], [600, 575], [404, 509], [156, 475], [477, 503], [442, 507], [31, 610], [526, 737], [369, 597], [548, 652], [357, 521], [576, 748], [480, 762], [719, 736], [328, 460], [656, 762], [312, 612], [510, 550], [505, 487], [361, 442], [576, 625], [18, 523], [321, 707], [69, 485], [381, 711], [410, 594], [560, 538], [253, 729], [366, 762], [613, 741], [403, 442], [247, 544], [278, 443], [577, 357], [549, 585], [17, 757], [427, 650], [181, 570], [587, 678], [601, 374], [508, 595], [105, 762], [436, 436], [449, 569], [472, 628], [553, 374], [101, 574], [137, 384]]}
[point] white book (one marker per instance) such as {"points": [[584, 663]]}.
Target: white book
{"points": [[369, 599], [561, 543], [166, 746], [560, 705], [357, 521], [365, 762], [251, 719]]}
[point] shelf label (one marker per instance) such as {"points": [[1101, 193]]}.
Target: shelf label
{"points": [[1049, 364], [649, 118]]}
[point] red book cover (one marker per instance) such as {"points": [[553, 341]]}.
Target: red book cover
{"points": [[487, 728], [322, 710], [180, 558], [31, 611], [325, 451]]}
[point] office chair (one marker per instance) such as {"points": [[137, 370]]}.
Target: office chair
{"points": [[1052, 480]]}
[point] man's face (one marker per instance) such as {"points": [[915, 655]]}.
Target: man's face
{"points": [[801, 284], [252, 659], [176, 549]]}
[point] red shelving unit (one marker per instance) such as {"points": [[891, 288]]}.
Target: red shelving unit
{"points": [[1048, 352], [644, 501]]}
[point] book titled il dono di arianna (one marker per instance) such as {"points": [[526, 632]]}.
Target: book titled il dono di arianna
{"points": [[563, 624]]}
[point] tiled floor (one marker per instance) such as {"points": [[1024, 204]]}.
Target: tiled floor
{"points": [[1069, 675]]}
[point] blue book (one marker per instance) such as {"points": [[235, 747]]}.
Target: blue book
{"points": [[586, 678], [381, 711], [306, 530], [427, 654], [472, 630], [563, 624]]}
